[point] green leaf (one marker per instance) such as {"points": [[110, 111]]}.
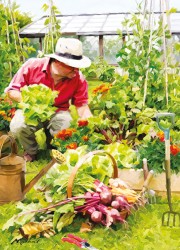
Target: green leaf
{"points": [[172, 10], [109, 104], [65, 220], [18, 219], [37, 103], [41, 138]]}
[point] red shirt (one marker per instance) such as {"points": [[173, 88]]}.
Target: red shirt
{"points": [[37, 70]]}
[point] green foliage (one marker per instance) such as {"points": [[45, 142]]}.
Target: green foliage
{"points": [[53, 26], [124, 155], [41, 138], [141, 57], [125, 110], [144, 230], [37, 103], [101, 70], [7, 109], [80, 133], [120, 114], [13, 50], [154, 152]]}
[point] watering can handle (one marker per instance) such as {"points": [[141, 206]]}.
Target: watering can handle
{"points": [[5, 138], [165, 130]]}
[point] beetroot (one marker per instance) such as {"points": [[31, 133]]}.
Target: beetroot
{"points": [[88, 194], [106, 197], [114, 213], [123, 202], [115, 204], [96, 216]]}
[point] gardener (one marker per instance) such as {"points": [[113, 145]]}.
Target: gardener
{"points": [[60, 72]]}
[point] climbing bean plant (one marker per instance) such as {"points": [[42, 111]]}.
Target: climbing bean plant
{"points": [[128, 105], [13, 49], [53, 26], [142, 58]]}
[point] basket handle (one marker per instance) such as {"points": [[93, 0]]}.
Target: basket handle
{"points": [[79, 164], [5, 138]]}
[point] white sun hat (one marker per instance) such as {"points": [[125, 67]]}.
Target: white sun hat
{"points": [[69, 51]]}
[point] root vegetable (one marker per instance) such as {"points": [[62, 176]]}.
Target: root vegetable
{"points": [[114, 213], [88, 194], [96, 216], [122, 202], [115, 204], [106, 197]]}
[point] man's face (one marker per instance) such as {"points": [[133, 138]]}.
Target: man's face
{"points": [[62, 70]]}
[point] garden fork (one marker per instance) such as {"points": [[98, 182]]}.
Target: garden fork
{"points": [[169, 217]]}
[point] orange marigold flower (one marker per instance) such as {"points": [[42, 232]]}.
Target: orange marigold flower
{"points": [[12, 112], [174, 149], [82, 123], [8, 100], [97, 89], [85, 138], [104, 89], [65, 133], [101, 89], [161, 136], [3, 113], [72, 145]]}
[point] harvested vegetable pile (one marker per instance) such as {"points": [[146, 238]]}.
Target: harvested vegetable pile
{"points": [[95, 201]]}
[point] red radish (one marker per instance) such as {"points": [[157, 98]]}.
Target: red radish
{"points": [[106, 197], [96, 216]]}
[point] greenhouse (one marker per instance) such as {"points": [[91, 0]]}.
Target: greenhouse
{"points": [[98, 29], [89, 127]]}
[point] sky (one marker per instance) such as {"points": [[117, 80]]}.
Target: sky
{"points": [[33, 7]]}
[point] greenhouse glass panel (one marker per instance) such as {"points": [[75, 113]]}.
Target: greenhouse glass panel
{"points": [[90, 46]]}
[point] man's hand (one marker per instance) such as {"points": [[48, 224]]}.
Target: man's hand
{"points": [[84, 112], [15, 95]]}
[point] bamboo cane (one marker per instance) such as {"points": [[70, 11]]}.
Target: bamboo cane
{"points": [[150, 24], [164, 52]]}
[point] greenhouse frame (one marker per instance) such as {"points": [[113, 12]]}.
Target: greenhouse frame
{"points": [[98, 25]]}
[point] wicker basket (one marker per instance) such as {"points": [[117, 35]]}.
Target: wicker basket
{"points": [[125, 213], [81, 161]]}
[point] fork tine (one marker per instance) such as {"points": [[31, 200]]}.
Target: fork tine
{"points": [[171, 219], [168, 221], [174, 220]]}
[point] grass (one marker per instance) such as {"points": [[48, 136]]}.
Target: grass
{"points": [[144, 231]]}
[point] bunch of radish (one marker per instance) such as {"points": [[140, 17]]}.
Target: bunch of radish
{"points": [[104, 207]]}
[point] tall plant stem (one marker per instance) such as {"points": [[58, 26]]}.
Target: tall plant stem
{"points": [[15, 33], [52, 24], [165, 54], [8, 41], [149, 50], [53, 34]]}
